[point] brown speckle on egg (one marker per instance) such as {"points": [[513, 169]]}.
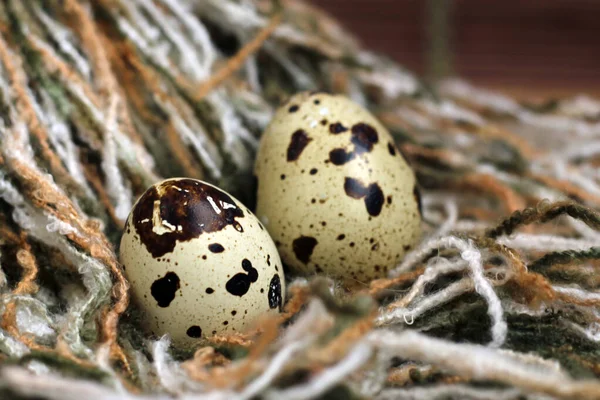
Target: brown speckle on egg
{"points": [[216, 248], [299, 141], [391, 149], [163, 290], [194, 332], [274, 295], [303, 248], [340, 156], [337, 128], [417, 196], [239, 284], [374, 199], [364, 136], [354, 188], [180, 210], [372, 194]]}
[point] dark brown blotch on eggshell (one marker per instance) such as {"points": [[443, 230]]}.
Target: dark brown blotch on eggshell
{"points": [[337, 128], [274, 295], [300, 140], [372, 194], [303, 247], [392, 149], [417, 196], [184, 203], [216, 248], [374, 199], [354, 188], [364, 136], [163, 290], [194, 332], [340, 156], [240, 283]]}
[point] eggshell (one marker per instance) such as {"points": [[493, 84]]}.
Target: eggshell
{"points": [[199, 262], [334, 192]]}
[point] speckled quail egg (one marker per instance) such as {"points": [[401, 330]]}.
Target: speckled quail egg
{"points": [[199, 262], [334, 192]]}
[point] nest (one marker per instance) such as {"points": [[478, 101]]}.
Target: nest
{"points": [[100, 99]]}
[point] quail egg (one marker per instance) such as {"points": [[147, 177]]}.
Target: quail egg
{"points": [[199, 263], [333, 190]]}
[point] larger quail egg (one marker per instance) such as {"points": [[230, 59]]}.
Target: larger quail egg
{"points": [[334, 191], [199, 262]]}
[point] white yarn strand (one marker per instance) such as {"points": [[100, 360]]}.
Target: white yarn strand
{"points": [[328, 378], [472, 256]]}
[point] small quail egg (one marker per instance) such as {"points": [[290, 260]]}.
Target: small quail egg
{"points": [[334, 192], [199, 262]]}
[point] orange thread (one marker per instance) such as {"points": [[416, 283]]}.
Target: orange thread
{"points": [[490, 185], [12, 64], [237, 61]]}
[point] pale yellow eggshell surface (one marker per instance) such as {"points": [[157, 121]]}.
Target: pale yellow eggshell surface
{"points": [[199, 262], [334, 192]]}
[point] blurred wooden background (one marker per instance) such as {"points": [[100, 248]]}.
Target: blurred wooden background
{"points": [[528, 48]]}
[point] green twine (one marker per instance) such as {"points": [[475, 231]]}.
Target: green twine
{"points": [[63, 364], [545, 212], [565, 257]]}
